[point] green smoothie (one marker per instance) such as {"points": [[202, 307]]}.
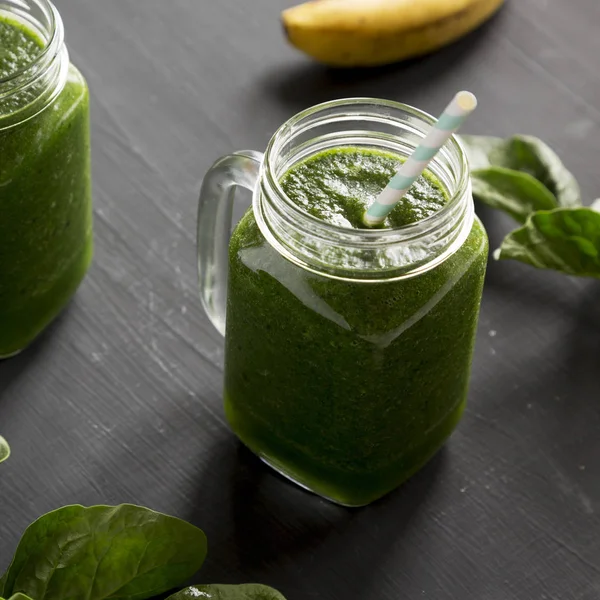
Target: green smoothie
{"points": [[45, 196], [348, 387], [338, 186]]}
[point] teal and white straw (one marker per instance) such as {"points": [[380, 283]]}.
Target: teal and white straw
{"points": [[462, 105]]}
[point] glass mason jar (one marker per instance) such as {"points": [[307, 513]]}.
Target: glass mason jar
{"points": [[45, 185], [347, 351]]}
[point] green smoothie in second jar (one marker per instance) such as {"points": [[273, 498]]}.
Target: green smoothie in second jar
{"points": [[45, 194], [349, 387]]}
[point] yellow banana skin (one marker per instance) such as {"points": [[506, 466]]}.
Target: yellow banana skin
{"points": [[360, 33]]}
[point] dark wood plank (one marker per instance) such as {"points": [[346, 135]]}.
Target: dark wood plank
{"points": [[120, 400]]}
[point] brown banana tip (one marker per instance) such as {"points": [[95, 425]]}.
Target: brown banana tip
{"points": [[284, 26]]}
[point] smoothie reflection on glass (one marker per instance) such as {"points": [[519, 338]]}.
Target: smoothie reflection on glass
{"points": [[45, 189], [347, 350]]}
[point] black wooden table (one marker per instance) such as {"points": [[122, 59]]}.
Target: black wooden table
{"points": [[121, 400]]}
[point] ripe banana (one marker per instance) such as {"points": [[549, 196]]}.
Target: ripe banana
{"points": [[351, 33]]}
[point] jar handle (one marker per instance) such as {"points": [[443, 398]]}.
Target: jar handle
{"points": [[214, 227]]}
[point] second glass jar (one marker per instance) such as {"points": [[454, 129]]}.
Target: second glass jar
{"points": [[45, 183]]}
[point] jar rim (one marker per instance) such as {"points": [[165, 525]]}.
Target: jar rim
{"points": [[345, 253], [381, 235]]}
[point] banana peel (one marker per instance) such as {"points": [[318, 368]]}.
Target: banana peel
{"points": [[361, 33]]}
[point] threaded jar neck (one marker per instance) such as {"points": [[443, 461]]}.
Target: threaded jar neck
{"points": [[368, 255]]}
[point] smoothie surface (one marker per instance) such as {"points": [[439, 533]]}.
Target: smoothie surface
{"points": [[338, 185], [19, 46]]}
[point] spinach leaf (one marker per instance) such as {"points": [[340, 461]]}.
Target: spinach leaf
{"points": [[526, 154], [104, 552], [4, 451], [531, 155], [19, 597], [249, 591], [516, 193], [484, 151], [565, 239]]}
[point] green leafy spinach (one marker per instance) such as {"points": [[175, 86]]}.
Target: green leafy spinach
{"points": [[4, 451], [121, 552], [103, 552], [566, 240], [516, 193], [248, 591], [528, 155], [525, 178]]}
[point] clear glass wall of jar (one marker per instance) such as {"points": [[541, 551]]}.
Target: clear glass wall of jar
{"points": [[45, 182]]}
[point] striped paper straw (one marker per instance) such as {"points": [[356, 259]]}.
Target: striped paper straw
{"points": [[462, 105]]}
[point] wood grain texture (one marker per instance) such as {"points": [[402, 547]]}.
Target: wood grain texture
{"points": [[120, 400]]}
